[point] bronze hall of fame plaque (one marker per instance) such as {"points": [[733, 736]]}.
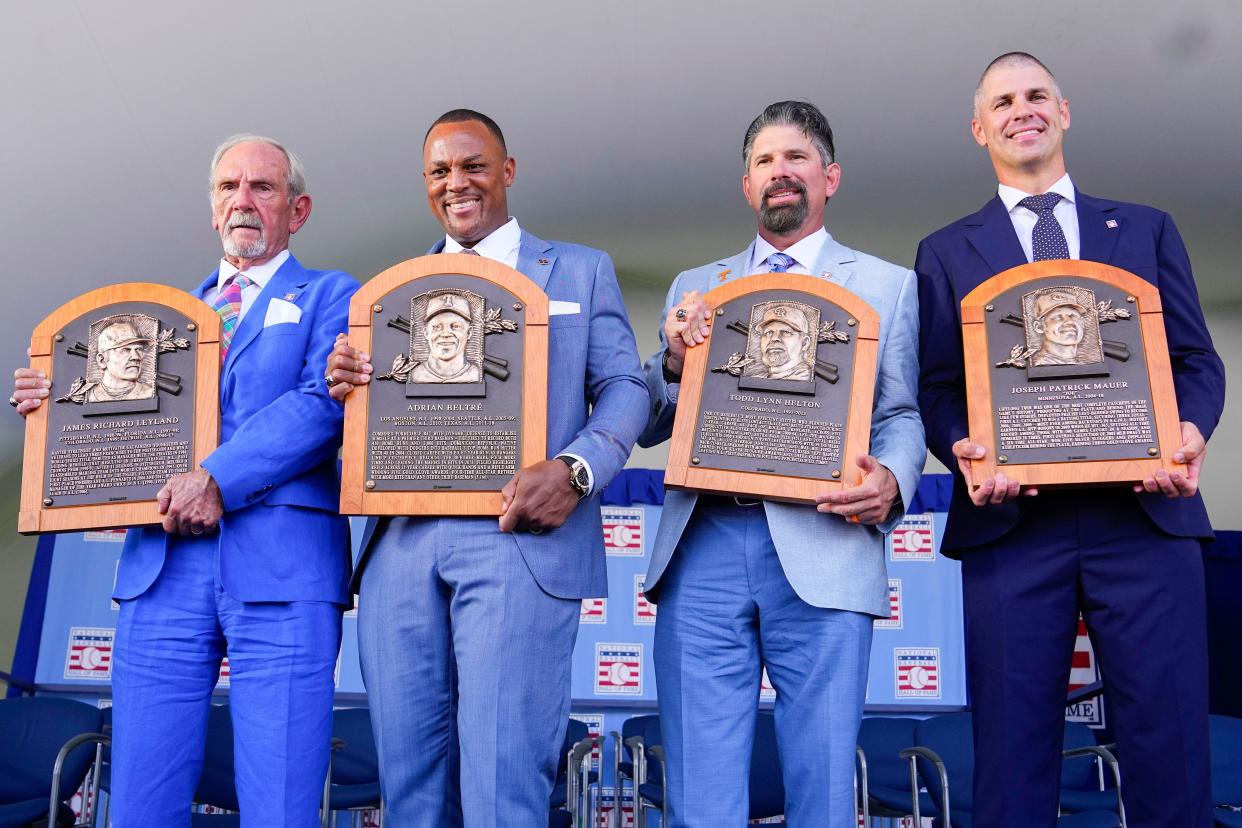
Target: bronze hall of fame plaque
{"points": [[458, 403], [135, 380], [777, 403], [1067, 375]]}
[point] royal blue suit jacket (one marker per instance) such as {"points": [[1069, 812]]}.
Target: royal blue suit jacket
{"points": [[954, 260], [281, 536], [597, 405]]}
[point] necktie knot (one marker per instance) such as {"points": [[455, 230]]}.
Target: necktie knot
{"points": [[1041, 203], [780, 263], [469, 251]]}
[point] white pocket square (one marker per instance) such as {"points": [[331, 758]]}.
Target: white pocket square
{"points": [[280, 311], [558, 308]]}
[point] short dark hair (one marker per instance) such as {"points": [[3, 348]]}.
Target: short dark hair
{"points": [[1011, 59], [801, 114], [458, 116]]}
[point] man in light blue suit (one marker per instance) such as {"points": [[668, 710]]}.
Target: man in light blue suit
{"points": [[745, 584], [466, 628], [252, 561]]}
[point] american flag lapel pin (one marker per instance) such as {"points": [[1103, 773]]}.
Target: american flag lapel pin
{"points": [[1111, 224]]}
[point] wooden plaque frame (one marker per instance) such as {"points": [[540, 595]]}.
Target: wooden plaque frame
{"points": [[682, 473], [356, 499], [35, 517], [979, 370]]}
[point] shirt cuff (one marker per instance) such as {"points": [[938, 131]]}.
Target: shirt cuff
{"points": [[590, 474]]}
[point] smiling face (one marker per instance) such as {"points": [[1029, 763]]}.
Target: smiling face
{"points": [[467, 173], [1062, 325], [250, 204], [446, 335], [1021, 120], [787, 184]]}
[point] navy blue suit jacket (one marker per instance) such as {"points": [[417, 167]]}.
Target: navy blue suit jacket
{"points": [[281, 536], [954, 260]]}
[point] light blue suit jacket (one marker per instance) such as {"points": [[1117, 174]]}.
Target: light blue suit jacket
{"points": [[597, 405], [281, 537], [829, 563]]}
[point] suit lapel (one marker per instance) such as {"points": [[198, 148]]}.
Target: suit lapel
{"points": [[734, 267], [991, 233], [1096, 238], [536, 258], [833, 262], [207, 284], [291, 278]]}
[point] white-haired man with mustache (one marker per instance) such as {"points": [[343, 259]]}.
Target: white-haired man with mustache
{"points": [[746, 584], [252, 560]]}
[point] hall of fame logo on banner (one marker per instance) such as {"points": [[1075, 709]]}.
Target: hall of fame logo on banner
{"points": [[618, 669], [595, 726], [766, 691], [918, 672], [608, 805], [644, 610], [914, 539], [104, 536], [593, 611], [90, 653], [623, 530], [1084, 671], [893, 622], [223, 680]]}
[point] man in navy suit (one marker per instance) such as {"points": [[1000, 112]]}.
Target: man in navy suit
{"points": [[1129, 561], [252, 561], [466, 628]]}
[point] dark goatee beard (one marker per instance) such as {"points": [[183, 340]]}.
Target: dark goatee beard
{"points": [[786, 218]]}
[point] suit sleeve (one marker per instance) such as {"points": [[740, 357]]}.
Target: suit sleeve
{"points": [[663, 394], [942, 380], [614, 386], [897, 440], [298, 430], [1198, 373]]}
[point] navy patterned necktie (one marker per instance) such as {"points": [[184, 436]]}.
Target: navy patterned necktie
{"points": [[779, 262], [1048, 239]]}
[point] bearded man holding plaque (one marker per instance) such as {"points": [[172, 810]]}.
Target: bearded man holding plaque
{"points": [[252, 559], [743, 584], [466, 628], [1129, 561]]}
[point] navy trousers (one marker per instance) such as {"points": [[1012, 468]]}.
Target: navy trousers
{"points": [[1141, 593]]}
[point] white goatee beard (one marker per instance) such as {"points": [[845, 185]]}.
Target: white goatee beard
{"points": [[245, 251]]}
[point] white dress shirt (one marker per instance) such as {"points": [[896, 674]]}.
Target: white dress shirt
{"points": [[502, 245], [259, 275], [1024, 220], [804, 252]]}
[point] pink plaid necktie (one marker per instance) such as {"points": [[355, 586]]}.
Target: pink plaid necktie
{"points": [[228, 304]]}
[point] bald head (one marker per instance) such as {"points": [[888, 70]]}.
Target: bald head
{"points": [[1004, 62]]}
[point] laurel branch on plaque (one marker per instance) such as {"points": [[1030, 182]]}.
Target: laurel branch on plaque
{"points": [[122, 360], [1062, 326], [446, 346]]}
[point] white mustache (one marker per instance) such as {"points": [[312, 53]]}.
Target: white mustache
{"points": [[250, 220]]}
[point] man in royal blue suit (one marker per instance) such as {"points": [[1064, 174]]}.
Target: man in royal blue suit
{"points": [[1129, 561], [252, 561], [466, 628], [744, 584]]}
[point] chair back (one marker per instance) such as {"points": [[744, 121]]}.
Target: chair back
{"points": [[32, 731], [950, 736], [216, 785], [574, 733], [767, 784], [1226, 736], [356, 763], [882, 738], [1079, 773]]}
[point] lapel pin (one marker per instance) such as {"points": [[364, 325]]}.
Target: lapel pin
{"points": [[724, 274], [543, 261], [289, 297], [1111, 224], [827, 274]]}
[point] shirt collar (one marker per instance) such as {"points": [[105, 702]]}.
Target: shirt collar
{"points": [[497, 245], [1010, 196], [259, 274], [804, 251]]}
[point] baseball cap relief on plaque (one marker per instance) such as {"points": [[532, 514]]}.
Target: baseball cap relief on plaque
{"points": [[135, 372], [776, 404], [1068, 378], [457, 404]]}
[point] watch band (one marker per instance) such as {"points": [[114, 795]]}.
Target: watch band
{"points": [[669, 376], [578, 476]]}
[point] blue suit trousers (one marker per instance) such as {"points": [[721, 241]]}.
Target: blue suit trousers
{"points": [[282, 656], [727, 610], [467, 664]]}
